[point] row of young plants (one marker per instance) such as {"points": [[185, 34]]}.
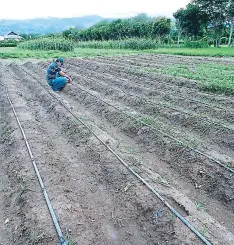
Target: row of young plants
{"points": [[137, 44], [210, 77], [131, 43], [48, 44]]}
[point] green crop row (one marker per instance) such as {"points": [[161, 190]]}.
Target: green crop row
{"points": [[48, 44], [132, 43], [210, 77], [8, 44]]}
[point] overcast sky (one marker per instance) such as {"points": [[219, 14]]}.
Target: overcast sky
{"points": [[27, 9]]}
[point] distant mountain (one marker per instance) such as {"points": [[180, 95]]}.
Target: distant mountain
{"points": [[47, 25]]}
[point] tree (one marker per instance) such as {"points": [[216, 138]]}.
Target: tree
{"points": [[161, 27], [190, 21], [141, 18], [179, 15], [230, 18], [216, 12]]}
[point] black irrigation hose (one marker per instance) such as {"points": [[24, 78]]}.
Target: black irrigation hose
{"points": [[198, 101], [43, 189], [158, 130], [150, 102], [162, 132], [178, 215]]}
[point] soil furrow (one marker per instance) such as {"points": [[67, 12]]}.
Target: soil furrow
{"points": [[216, 132], [157, 81], [207, 174], [76, 94], [96, 199], [158, 95], [219, 151], [111, 223]]}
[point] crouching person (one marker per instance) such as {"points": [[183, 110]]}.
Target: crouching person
{"points": [[55, 77]]}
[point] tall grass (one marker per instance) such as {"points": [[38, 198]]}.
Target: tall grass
{"points": [[131, 43], [48, 44], [196, 44], [210, 77]]}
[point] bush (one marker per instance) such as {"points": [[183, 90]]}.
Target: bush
{"points": [[224, 40], [196, 44], [8, 43]]}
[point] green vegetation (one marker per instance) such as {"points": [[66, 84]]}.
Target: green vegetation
{"points": [[15, 52], [131, 43], [198, 25], [195, 27], [210, 77], [8, 43], [210, 52], [70, 242], [200, 205], [6, 53], [48, 44], [195, 44]]}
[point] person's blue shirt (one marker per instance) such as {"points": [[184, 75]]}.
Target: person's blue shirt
{"points": [[52, 70]]}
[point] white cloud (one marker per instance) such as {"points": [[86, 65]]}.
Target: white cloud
{"points": [[25, 9]]}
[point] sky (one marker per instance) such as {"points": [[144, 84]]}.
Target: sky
{"points": [[29, 9]]}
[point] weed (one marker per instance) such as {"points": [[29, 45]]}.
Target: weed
{"points": [[172, 217], [204, 229], [200, 205], [70, 242], [209, 77]]}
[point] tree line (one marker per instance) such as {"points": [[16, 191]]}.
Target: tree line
{"points": [[210, 21]]}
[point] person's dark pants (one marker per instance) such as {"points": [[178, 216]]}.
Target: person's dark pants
{"points": [[58, 83]]}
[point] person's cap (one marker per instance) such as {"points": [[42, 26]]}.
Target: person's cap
{"points": [[60, 60]]}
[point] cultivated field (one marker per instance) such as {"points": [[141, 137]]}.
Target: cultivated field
{"points": [[109, 147]]}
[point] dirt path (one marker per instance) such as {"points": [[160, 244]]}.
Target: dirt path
{"points": [[96, 199]]}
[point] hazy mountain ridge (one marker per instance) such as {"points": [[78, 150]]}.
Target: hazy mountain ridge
{"points": [[47, 25]]}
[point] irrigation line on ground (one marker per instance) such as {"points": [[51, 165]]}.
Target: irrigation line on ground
{"points": [[181, 111], [162, 132], [43, 189], [177, 214], [170, 86], [151, 102], [158, 130]]}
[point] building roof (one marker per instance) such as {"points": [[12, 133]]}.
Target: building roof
{"points": [[12, 35]]}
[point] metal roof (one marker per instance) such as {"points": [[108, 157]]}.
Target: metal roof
{"points": [[12, 35]]}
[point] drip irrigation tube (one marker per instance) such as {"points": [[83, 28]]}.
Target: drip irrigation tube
{"points": [[158, 130], [156, 193], [162, 132], [51, 210], [178, 215], [150, 102], [163, 92], [171, 86]]}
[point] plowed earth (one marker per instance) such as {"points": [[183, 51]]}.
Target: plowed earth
{"points": [[172, 134]]}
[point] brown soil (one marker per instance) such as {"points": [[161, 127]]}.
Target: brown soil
{"points": [[96, 199]]}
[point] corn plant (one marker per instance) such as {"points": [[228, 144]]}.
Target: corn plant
{"points": [[131, 43], [48, 44]]}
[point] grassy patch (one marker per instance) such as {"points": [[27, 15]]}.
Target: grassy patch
{"points": [[15, 52], [212, 52], [209, 77]]}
